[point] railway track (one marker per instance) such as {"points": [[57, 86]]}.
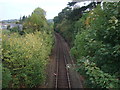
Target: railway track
{"points": [[62, 79]]}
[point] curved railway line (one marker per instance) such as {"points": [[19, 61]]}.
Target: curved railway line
{"points": [[62, 79], [61, 71]]}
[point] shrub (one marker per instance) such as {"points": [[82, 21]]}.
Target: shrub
{"points": [[97, 78], [26, 58], [98, 41], [7, 77]]}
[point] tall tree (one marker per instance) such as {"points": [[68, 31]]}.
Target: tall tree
{"points": [[36, 21]]}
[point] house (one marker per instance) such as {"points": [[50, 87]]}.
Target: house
{"points": [[12, 25], [3, 26]]}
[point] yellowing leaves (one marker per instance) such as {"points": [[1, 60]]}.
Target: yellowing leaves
{"points": [[87, 22], [27, 56]]}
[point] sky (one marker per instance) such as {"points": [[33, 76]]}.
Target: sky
{"points": [[14, 9]]}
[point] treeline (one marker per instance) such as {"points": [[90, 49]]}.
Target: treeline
{"points": [[25, 53], [94, 37]]}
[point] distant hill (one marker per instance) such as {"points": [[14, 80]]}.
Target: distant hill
{"points": [[10, 21]]}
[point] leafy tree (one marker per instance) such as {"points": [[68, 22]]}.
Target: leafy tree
{"points": [[8, 27], [97, 45], [71, 3], [95, 36], [66, 19], [25, 56], [36, 22], [22, 19]]}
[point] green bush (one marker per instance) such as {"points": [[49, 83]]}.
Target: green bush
{"points": [[98, 41], [5, 32], [36, 22], [97, 78], [26, 58], [7, 77]]}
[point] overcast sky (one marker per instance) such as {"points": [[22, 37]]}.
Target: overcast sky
{"points": [[13, 9]]}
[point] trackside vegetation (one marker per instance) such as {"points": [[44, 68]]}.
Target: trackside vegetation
{"points": [[25, 54], [94, 38], [92, 32]]}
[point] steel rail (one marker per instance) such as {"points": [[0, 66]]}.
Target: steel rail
{"points": [[57, 55], [67, 69], [57, 64], [68, 76]]}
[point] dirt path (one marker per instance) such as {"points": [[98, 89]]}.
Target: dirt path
{"points": [[57, 66]]}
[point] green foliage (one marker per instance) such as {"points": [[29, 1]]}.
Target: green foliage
{"points": [[98, 41], [66, 29], [25, 53], [0, 75], [63, 15], [36, 22], [97, 78], [5, 32], [14, 29], [94, 35], [64, 23], [6, 77], [8, 27], [64, 26], [26, 58]]}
